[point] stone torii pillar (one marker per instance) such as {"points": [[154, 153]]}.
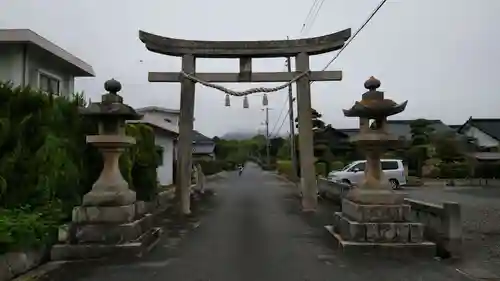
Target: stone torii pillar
{"points": [[301, 49]]}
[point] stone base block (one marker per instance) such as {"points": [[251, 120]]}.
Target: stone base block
{"points": [[394, 250], [374, 212], [384, 232], [375, 196], [111, 233], [123, 196], [100, 214], [90, 251]]}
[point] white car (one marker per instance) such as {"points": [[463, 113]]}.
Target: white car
{"points": [[353, 173]]}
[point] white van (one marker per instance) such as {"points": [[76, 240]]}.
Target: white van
{"points": [[353, 173]]}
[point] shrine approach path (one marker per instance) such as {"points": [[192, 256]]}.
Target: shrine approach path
{"points": [[256, 232]]}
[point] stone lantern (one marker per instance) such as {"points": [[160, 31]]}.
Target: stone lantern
{"points": [[110, 189], [374, 217], [110, 220], [374, 139]]}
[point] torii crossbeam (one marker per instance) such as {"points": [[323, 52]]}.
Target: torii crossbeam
{"points": [[301, 49]]}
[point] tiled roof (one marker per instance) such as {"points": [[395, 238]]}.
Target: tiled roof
{"points": [[490, 126], [401, 128], [158, 108], [200, 138]]}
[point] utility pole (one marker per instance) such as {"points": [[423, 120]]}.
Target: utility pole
{"points": [[292, 123], [268, 160]]}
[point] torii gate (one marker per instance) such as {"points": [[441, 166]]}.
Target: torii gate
{"points": [[301, 49]]}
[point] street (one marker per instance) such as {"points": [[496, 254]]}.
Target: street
{"points": [[255, 231]]}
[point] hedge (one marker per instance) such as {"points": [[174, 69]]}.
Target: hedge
{"points": [[46, 166], [285, 168], [210, 167], [453, 170]]}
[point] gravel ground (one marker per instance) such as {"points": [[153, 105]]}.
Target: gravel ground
{"points": [[480, 219]]}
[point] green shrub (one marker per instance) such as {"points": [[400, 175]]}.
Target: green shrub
{"points": [[46, 166], [487, 170], [210, 167], [27, 228], [321, 168], [285, 167], [337, 165], [142, 162], [41, 149], [453, 170]]}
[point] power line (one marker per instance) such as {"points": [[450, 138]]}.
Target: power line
{"points": [[308, 15], [355, 34], [282, 123], [306, 27], [313, 19], [279, 116]]}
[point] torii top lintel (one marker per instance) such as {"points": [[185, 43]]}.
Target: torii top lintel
{"points": [[238, 49]]}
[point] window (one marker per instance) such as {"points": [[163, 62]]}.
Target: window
{"points": [[159, 155], [389, 165], [49, 84], [359, 167]]}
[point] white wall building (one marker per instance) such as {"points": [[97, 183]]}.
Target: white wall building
{"points": [[28, 59], [165, 121]]}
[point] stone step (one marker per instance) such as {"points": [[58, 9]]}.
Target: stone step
{"points": [[378, 232], [387, 249], [90, 251]]}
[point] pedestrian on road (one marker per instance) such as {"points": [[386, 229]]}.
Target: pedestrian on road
{"points": [[240, 169]]}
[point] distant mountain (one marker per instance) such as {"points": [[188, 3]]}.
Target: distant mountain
{"points": [[243, 135], [238, 135]]}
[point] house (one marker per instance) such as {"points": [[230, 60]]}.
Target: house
{"points": [[402, 128], [336, 139], [165, 123], [485, 132], [203, 146], [28, 59]]}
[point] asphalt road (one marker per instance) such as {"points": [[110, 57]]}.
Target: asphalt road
{"points": [[256, 232]]}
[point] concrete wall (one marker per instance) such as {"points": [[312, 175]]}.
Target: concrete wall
{"points": [[203, 148], [482, 138], [166, 170], [165, 120], [11, 63], [14, 61], [443, 225]]}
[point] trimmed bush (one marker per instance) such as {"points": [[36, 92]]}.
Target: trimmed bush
{"points": [[210, 167], [321, 168], [453, 170], [142, 162], [337, 165], [285, 167], [46, 166], [487, 170]]}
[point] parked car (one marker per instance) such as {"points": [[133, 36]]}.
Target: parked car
{"points": [[353, 173]]}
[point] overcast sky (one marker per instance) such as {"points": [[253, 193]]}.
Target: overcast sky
{"points": [[441, 55]]}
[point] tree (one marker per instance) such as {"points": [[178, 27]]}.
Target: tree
{"points": [[421, 133], [448, 147], [274, 146], [317, 123], [284, 151]]}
